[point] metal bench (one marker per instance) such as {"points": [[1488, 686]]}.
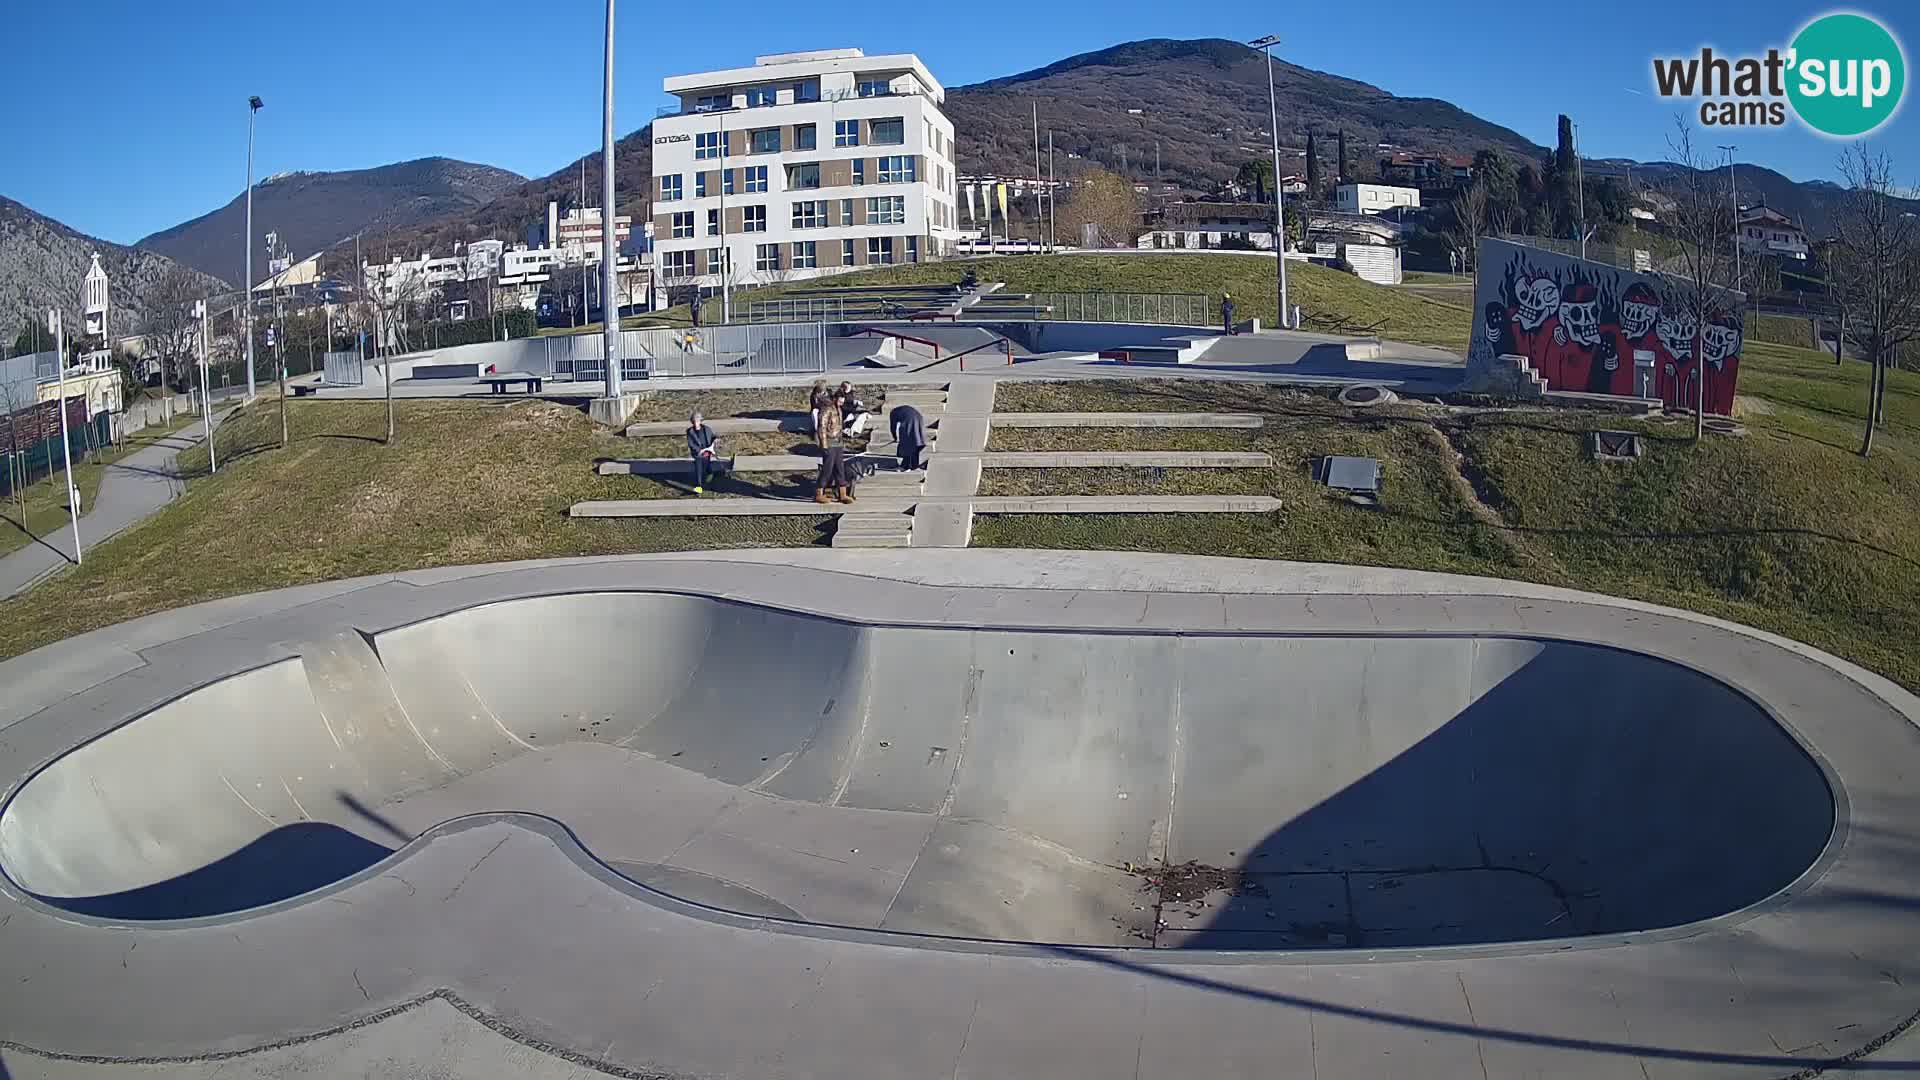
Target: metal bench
{"points": [[497, 382]]}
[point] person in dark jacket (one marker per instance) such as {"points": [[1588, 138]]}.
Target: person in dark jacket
{"points": [[703, 446], [910, 431], [1226, 314]]}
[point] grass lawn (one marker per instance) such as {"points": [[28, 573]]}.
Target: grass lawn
{"points": [[46, 499], [464, 483]]}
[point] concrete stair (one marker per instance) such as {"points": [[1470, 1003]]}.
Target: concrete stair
{"points": [[889, 484], [881, 530]]}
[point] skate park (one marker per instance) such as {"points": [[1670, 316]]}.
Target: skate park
{"points": [[879, 816]]}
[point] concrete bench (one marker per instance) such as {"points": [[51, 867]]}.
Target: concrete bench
{"points": [[498, 381], [305, 389]]}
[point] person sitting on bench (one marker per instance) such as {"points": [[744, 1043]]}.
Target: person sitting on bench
{"points": [[704, 447], [910, 431]]}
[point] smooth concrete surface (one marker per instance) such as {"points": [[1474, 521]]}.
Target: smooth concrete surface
{"points": [[884, 502], [948, 742]]}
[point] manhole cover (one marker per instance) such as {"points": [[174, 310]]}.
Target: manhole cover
{"points": [[1364, 395], [1354, 475]]}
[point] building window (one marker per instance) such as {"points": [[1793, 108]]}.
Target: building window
{"points": [[896, 170], [800, 177], [887, 210], [717, 260], [803, 136], [713, 223], [806, 91], [766, 257], [805, 255], [679, 264], [726, 181], [846, 253], [846, 133], [766, 141], [913, 249], [761, 96], [699, 185], [753, 219], [756, 178], [810, 215], [875, 88], [706, 145], [683, 225], [713, 103], [879, 249], [891, 131], [670, 187], [846, 211], [859, 170]]}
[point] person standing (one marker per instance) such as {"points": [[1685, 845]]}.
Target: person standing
{"points": [[910, 432], [1226, 314], [831, 439], [703, 447]]}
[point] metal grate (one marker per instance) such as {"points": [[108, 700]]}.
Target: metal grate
{"points": [[1356, 475]]}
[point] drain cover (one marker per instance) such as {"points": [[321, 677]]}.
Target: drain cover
{"points": [[1360, 475], [1614, 445]]}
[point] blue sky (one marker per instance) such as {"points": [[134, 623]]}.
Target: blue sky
{"points": [[157, 133]]}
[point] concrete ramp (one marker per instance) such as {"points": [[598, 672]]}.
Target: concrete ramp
{"points": [[1121, 789]]}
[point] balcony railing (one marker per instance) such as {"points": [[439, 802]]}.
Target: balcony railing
{"points": [[825, 95]]}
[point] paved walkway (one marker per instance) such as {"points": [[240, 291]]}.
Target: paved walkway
{"points": [[132, 488]]}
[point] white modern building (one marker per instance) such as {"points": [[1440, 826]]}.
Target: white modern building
{"points": [[1373, 198], [1766, 231], [804, 164]]}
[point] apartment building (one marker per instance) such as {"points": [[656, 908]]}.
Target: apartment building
{"points": [[804, 164]]}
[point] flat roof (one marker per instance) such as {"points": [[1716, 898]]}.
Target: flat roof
{"points": [[779, 67]]}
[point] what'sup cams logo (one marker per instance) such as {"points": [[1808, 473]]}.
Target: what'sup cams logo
{"points": [[1843, 75]]}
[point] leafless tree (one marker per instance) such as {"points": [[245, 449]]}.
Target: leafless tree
{"points": [[1469, 221], [170, 327], [1108, 203], [1702, 223], [385, 303], [1875, 271]]}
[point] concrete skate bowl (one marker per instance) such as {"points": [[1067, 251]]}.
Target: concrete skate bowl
{"points": [[1244, 791]]}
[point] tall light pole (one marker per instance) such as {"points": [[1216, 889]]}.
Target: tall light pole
{"points": [[609, 309], [1266, 44], [206, 384], [66, 443], [1580, 187], [1733, 184], [253, 106]]}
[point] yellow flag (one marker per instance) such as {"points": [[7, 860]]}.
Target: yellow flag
{"points": [[1001, 191]]}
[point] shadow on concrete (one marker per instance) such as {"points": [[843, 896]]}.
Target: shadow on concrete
{"points": [[1504, 824], [285, 863]]}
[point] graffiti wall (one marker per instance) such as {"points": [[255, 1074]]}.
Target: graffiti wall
{"points": [[1595, 328]]}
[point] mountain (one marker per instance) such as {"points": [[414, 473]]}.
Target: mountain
{"points": [[1810, 202], [1204, 103], [313, 210], [42, 263]]}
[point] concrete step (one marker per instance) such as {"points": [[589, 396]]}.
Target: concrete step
{"points": [[919, 399], [882, 530]]}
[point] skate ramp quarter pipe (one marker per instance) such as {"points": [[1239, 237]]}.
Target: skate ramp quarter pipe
{"points": [[1072, 788]]}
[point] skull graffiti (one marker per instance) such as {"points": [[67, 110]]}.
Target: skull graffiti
{"points": [[1719, 340], [1539, 298], [1639, 309], [1495, 318], [1580, 315], [1676, 333]]}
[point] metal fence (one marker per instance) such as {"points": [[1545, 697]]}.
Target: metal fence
{"points": [[345, 369], [1180, 309], [800, 310], [760, 349]]}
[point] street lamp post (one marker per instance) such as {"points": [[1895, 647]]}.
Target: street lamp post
{"points": [[206, 384], [66, 443], [1266, 44], [1733, 184], [253, 106], [609, 307]]}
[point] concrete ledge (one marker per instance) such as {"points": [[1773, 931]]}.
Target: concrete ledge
{"points": [[1125, 504], [1149, 459], [722, 425], [633, 508], [742, 463], [1127, 420], [611, 411]]}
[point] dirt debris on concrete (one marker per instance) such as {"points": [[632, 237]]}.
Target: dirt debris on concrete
{"points": [[1192, 881]]}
